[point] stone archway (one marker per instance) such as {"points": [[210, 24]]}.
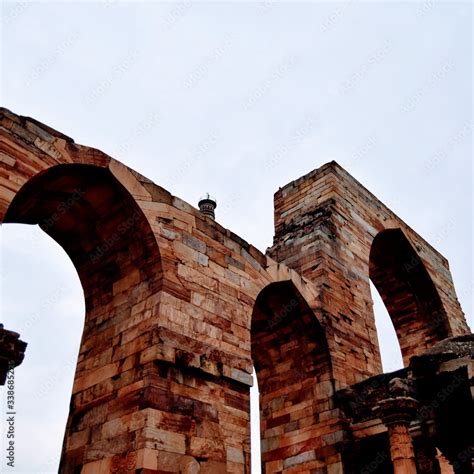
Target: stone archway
{"points": [[408, 293], [163, 377], [294, 373], [106, 235]]}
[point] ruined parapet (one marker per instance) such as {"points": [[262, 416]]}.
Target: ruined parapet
{"points": [[445, 375], [12, 352], [457, 347], [438, 387]]}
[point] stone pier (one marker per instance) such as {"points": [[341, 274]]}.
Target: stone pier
{"points": [[180, 310]]}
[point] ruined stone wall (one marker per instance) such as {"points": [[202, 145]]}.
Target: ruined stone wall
{"points": [[178, 309], [325, 226], [164, 369]]}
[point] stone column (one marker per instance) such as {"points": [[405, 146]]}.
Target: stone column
{"points": [[397, 413]]}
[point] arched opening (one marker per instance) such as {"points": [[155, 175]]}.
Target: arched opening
{"points": [[43, 300], [293, 369], [255, 426], [96, 221], [390, 351], [88, 212], [408, 293]]}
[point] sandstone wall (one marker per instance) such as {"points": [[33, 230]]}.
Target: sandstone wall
{"points": [[178, 309]]}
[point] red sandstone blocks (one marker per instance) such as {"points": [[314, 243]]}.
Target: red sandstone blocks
{"points": [[175, 319], [208, 448]]}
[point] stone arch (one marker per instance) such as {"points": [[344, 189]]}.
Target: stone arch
{"points": [[408, 292], [101, 227], [98, 223], [293, 368]]}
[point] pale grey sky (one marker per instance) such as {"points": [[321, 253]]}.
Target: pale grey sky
{"points": [[236, 99]]}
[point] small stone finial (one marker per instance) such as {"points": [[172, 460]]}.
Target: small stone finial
{"points": [[207, 204]]}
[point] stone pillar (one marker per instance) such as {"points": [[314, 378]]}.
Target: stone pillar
{"points": [[397, 413]]}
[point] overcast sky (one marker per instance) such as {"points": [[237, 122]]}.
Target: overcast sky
{"points": [[236, 99]]}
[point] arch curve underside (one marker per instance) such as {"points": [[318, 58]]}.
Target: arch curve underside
{"points": [[408, 293], [294, 374], [107, 237], [99, 225]]}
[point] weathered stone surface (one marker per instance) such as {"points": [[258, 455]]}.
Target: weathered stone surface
{"points": [[179, 310]]}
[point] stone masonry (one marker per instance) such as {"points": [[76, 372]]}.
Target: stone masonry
{"points": [[179, 310], [12, 352]]}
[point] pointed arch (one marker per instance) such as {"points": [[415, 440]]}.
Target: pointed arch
{"points": [[293, 368], [408, 293], [99, 224]]}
